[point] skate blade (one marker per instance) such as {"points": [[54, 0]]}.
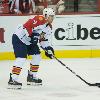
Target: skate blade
{"points": [[34, 84], [15, 87]]}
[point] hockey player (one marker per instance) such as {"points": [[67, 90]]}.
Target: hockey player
{"points": [[25, 41]]}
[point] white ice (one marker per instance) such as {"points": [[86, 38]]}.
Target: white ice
{"points": [[58, 82]]}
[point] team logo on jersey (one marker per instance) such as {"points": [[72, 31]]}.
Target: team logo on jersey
{"points": [[40, 18], [34, 22], [42, 37]]}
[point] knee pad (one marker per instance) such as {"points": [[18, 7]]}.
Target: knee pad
{"points": [[19, 62], [36, 59]]}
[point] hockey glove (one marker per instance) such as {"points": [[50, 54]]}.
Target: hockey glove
{"points": [[49, 52], [34, 38]]}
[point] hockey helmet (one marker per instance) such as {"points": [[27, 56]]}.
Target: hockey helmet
{"points": [[48, 11]]}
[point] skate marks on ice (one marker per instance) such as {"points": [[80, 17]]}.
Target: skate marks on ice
{"points": [[51, 93], [69, 88], [73, 92], [64, 91]]}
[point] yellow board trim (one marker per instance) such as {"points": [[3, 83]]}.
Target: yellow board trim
{"points": [[59, 54]]}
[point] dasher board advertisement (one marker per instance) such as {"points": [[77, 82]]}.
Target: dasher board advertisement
{"points": [[77, 30]]}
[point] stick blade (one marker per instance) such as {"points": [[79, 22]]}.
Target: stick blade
{"points": [[95, 84], [98, 84]]}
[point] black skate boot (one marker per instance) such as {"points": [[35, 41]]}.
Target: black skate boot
{"points": [[33, 81], [14, 84]]}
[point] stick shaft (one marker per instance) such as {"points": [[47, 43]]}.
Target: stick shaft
{"points": [[90, 84], [72, 71]]}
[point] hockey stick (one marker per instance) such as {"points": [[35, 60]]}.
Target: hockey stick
{"points": [[90, 84]]}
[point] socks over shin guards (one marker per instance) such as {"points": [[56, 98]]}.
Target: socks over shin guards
{"points": [[16, 72], [34, 70]]}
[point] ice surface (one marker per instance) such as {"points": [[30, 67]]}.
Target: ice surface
{"points": [[58, 82]]}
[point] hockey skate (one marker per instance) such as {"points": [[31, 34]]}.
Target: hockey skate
{"points": [[33, 81], [12, 84]]}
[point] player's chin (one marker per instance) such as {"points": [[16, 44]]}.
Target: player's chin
{"points": [[50, 21]]}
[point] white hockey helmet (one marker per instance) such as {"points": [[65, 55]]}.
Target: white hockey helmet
{"points": [[48, 11]]}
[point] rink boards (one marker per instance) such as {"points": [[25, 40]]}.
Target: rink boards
{"points": [[73, 36]]}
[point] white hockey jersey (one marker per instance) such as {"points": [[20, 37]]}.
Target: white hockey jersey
{"points": [[44, 34]]}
